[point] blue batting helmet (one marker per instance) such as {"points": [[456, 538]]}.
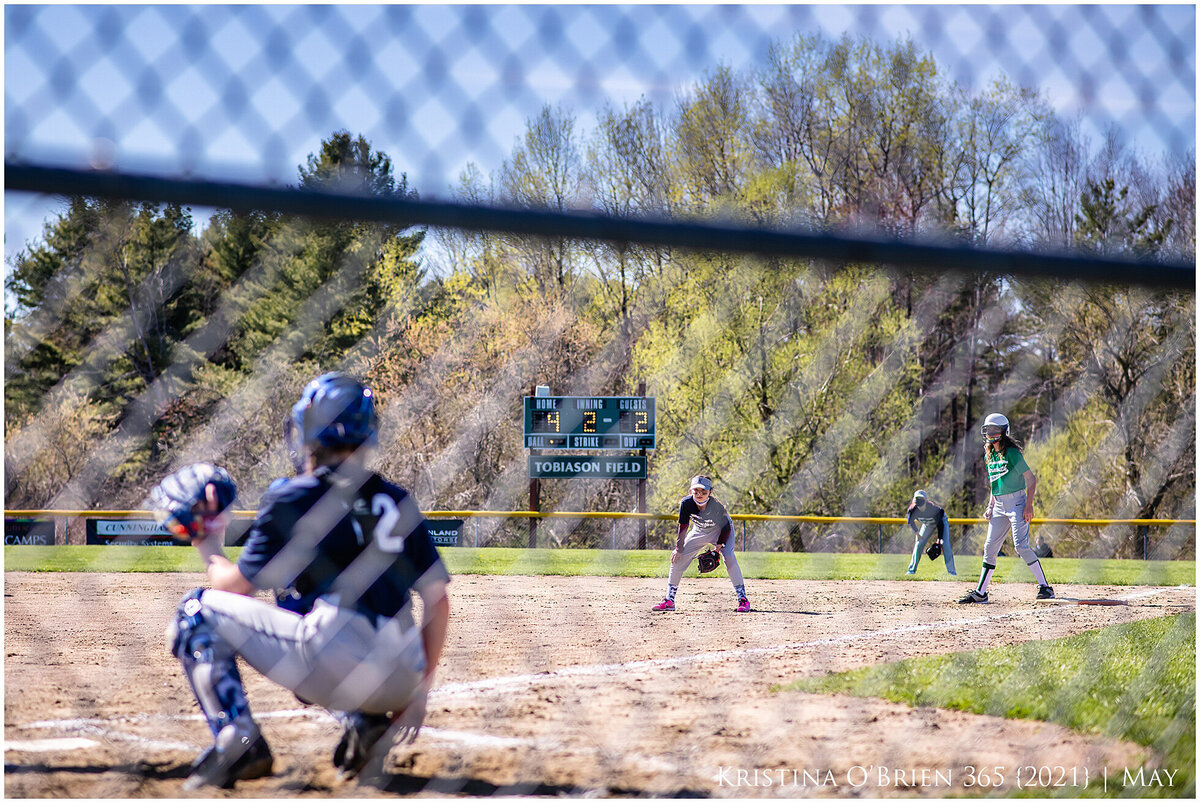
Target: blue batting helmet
{"points": [[334, 410]]}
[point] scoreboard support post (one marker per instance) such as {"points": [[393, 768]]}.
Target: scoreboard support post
{"points": [[641, 544], [535, 486], [535, 494], [641, 487]]}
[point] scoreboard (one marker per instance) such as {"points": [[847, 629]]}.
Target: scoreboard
{"points": [[589, 422]]}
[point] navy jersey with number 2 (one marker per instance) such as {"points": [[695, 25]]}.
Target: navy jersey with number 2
{"points": [[358, 541]]}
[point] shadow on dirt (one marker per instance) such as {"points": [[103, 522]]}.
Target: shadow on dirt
{"points": [[141, 769], [407, 784]]}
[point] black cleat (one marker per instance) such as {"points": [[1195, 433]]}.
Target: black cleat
{"points": [[974, 596], [362, 736], [1045, 592], [223, 768]]}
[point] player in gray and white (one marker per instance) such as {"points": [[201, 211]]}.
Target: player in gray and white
{"points": [[703, 521], [928, 521]]}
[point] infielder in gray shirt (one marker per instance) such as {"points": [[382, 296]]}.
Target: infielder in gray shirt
{"points": [[703, 520]]}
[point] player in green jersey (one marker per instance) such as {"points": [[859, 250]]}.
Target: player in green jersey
{"points": [[1010, 507]]}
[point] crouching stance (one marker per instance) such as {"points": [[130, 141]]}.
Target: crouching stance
{"points": [[704, 523], [341, 548], [929, 521]]}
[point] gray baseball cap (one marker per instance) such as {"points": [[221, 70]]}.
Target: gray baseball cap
{"points": [[920, 496], [702, 482]]}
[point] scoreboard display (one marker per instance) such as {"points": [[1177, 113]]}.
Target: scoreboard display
{"points": [[589, 422]]}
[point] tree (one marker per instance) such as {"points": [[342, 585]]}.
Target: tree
{"points": [[905, 128], [477, 252], [711, 138], [795, 133], [628, 176], [994, 133], [545, 172], [322, 284], [111, 290], [1054, 177], [347, 164], [1179, 205], [1107, 221]]}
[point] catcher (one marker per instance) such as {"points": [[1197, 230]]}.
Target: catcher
{"points": [[706, 535], [342, 548], [927, 520]]}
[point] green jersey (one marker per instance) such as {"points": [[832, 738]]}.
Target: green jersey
{"points": [[1006, 472]]}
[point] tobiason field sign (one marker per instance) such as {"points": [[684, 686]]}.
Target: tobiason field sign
{"points": [[572, 467]]}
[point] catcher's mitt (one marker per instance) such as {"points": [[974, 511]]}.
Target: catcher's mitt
{"points": [[184, 504], [709, 560], [934, 550]]}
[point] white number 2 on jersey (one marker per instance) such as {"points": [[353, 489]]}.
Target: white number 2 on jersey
{"points": [[385, 533]]}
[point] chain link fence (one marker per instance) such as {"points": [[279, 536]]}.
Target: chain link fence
{"points": [[828, 239]]}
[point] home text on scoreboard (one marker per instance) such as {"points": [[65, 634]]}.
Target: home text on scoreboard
{"points": [[589, 422]]}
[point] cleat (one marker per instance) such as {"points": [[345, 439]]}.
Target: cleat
{"points": [[743, 605], [362, 740], [665, 605], [222, 769], [974, 596], [1045, 592]]}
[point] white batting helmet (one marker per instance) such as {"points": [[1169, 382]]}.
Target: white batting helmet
{"points": [[994, 420]]}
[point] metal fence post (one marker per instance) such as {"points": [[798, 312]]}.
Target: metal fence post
{"points": [[880, 526], [1145, 541]]}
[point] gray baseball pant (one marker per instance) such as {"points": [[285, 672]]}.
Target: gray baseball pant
{"points": [[334, 657], [692, 544], [1008, 516], [927, 531]]}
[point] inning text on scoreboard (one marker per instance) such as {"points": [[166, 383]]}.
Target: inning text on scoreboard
{"points": [[589, 422]]}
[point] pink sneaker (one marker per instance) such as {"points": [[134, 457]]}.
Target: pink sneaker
{"points": [[665, 605], [743, 605]]}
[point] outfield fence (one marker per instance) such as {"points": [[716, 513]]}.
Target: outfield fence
{"points": [[765, 533]]}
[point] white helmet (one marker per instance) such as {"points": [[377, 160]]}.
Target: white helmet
{"points": [[994, 420]]}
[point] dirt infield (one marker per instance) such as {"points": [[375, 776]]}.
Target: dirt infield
{"points": [[562, 686]]}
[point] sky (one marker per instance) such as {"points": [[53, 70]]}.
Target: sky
{"points": [[245, 93]]}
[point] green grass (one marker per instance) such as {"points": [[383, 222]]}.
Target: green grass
{"points": [[1134, 681], [639, 563]]}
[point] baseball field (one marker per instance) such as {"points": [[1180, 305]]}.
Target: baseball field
{"points": [[566, 684]]}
